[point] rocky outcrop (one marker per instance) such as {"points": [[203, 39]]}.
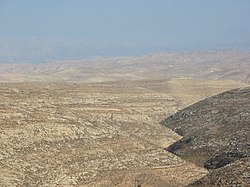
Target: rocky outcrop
{"points": [[216, 134], [234, 174]]}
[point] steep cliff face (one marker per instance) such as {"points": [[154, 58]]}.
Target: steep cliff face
{"points": [[216, 134]]}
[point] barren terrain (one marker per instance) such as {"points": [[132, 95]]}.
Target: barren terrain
{"points": [[96, 122], [223, 65], [216, 136], [99, 134]]}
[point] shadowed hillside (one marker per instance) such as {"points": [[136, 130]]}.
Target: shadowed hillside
{"points": [[216, 135]]}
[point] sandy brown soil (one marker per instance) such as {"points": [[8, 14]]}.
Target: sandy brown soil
{"points": [[98, 134]]}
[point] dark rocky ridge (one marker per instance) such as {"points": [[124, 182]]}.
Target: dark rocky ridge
{"points": [[216, 134], [236, 174]]}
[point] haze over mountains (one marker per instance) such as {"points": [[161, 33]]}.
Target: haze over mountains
{"points": [[84, 86], [230, 65], [42, 49], [40, 31]]}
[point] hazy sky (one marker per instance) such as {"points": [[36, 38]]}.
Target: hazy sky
{"points": [[110, 27]]}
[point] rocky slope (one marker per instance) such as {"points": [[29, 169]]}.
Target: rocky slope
{"points": [[234, 174], [216, 135], [99, 134]]}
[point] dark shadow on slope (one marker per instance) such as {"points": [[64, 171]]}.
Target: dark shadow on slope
{"points": [[216, 132]]}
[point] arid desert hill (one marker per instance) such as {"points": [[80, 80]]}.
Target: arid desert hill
{"points": [[216, 135], [96, 134], [96, 122], [224, 65]]}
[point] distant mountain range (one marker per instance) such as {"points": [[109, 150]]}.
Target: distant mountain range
{"points": [[231, 65]]}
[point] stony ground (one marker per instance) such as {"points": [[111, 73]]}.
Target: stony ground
{"points": [[234, 174], [99, 134], [216, 135]]}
